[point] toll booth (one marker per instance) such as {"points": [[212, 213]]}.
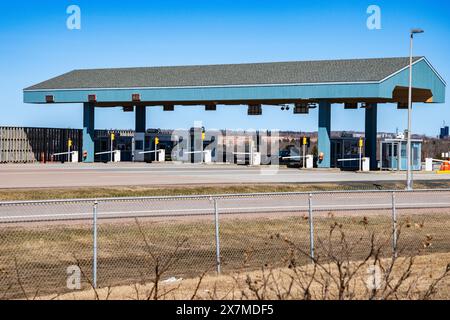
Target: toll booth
{"points": [[243, 148], [189, 146], [393, 154], [346, 147], [164, 143], [123, 142], [292, 155], [188, 151], [242, 154], [198, 144]]}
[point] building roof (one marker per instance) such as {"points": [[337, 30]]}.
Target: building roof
{"points": [[273, 73]]}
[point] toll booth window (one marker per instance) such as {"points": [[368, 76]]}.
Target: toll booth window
{"points": [[415, 154], [350, 148], [403, 151], [139, 145]]}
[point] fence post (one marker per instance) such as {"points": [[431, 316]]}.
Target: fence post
{"points": [[216, 223], [394, 225], [94, 240], [311, 227]]}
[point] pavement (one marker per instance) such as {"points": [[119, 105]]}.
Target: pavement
{"points": [[269, 205], [143, 174]]}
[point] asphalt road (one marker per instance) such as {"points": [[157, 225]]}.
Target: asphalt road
{"points": [[269, 205], [99, 174]]}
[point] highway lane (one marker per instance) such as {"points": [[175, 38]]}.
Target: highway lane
{"points": [[126, 174], [271, 205]]}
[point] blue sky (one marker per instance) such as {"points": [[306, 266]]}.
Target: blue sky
{"points": [[36, 45]]}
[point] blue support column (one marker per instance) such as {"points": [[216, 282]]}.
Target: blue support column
{"points": [[140, 124], [88, 132], [371, 135], [324, 134]]}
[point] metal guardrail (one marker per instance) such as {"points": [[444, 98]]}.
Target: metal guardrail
{"points": [[183, 206], [217, 196]]}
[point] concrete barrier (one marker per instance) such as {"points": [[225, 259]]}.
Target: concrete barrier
{"points": [[161, 155], [365, 164], [309, 161], [428, 164], [116, 156], [74, 157], [256, 161], [207, 158]]}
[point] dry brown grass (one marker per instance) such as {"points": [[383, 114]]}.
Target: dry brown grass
{"points": [[42, 253], [426, 269], [140, 191]]}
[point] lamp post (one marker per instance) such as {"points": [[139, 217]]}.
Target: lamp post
{"points": [[409, 183]]}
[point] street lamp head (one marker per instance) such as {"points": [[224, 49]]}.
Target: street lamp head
{"points": [[415, 31]]}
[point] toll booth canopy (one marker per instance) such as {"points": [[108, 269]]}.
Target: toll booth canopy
{"points": [[301, 85]]}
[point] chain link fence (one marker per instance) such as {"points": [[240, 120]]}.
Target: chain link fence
{"points": [[47, 246]]}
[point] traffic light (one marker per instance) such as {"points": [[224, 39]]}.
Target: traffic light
{"points": [[402, 105], [203, 134], [306, 141], [301, 108], [254, 110], [113, 137], [361, 142], [210, 107], [70, 143], [156, 141], [351, 105]]}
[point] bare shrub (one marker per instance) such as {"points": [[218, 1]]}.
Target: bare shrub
{"points": [[336, 275]]}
